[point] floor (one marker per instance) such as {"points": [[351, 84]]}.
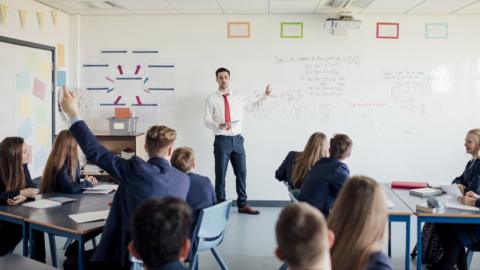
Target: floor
{"points": [[250, 241]]}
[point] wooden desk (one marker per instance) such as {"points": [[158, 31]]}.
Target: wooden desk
{"points": [[399, 213], [15, 262], [17, 214], [449, 216], [55, 220], [116, 143]]}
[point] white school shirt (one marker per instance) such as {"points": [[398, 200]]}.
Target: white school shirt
{"points": [[215, 111]]}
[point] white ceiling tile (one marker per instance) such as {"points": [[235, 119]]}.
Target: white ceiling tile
{"points": [[293, 6], [471, 9], [196, 6], [440, 6], [390, 6], [244, 6]]}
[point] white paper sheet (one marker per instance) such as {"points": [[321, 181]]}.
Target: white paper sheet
{"points": [[40, 204], [90, 216], [452, 190]]}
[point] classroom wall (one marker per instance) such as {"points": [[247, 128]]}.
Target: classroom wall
{"points": [[391, 143], [48, 35]]}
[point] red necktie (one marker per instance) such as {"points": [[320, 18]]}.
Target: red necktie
{"points": [[227, 109]]}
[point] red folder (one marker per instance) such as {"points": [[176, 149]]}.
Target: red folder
{"points": [[408, 185]]}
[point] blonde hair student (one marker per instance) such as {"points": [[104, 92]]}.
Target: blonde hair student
{"points": [[303, 238], [62, 171], [358, 219], [296, 165]]}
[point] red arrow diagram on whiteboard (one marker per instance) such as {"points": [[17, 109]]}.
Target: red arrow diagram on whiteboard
{"points": [[138, 100], [120, 69], [117, 100]]}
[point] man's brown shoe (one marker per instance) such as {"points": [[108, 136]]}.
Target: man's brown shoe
{"points": [[246, 209]]}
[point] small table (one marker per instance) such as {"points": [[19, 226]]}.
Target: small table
{"points": [[399, 213], [449, 216], [55, 220]]}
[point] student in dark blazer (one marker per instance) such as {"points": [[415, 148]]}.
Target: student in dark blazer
{"points": [[201, 193], [297, 164], [324, 181], [160, 230], [454, 238], [358, 221], [62, 171], [138, 180], [16, 186]]}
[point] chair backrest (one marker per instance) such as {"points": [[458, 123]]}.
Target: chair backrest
{"points": [[211, 225], [290, 193]]}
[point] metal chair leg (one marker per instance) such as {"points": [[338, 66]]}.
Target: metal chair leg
{"points": [[219, 259]]}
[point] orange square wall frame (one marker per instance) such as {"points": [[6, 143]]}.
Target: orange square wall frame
{"points": [[238, 30]]}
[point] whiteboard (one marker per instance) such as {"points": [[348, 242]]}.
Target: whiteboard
{"points": [[26, 87], [407, 104]]}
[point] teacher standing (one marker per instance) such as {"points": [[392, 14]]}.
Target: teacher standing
{"points": [[223, 115]]}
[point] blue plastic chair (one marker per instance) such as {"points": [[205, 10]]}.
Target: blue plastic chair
{"points": [[293, 199], [209, 232]]}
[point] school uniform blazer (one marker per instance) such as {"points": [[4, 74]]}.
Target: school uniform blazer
{"points": [[173, 265], [138, 181], [65, 184], [469, 234], [4, 195], [285, 171], [470, 177], [200, 195], [379, 261], [323, 183]]}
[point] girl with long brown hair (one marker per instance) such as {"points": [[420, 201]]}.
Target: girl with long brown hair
{"points": [[358, 220], [62, 171], [15, 187], [297, 164], [326, 178]]}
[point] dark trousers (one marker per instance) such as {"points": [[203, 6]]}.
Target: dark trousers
{"points": [[453, 250], [11, 234], [71, 261], [225, 149]]}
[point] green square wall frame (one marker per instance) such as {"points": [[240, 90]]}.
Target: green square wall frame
{"points": [[291, 30]]}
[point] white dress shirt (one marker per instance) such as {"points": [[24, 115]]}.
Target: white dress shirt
{"points": [[215, 111]]}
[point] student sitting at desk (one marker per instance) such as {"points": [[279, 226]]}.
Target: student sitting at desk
{"points": [[138, 180], [455, 237], [62, 171], [201, 193], [324, 181], [358, 220], [297, 164], [160, 230], [15, 187], [303, 238]]}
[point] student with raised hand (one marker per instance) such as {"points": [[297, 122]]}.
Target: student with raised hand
{"points": [[201, 193], [62, 171], [303, 239], [160, 230], [323, 183], [16, 186], [454, 238], [138, 180], [358, 220], [296, 165]]}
